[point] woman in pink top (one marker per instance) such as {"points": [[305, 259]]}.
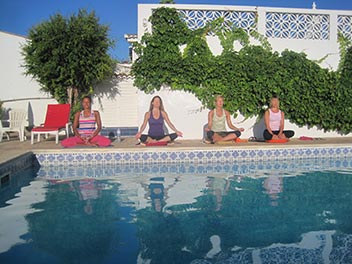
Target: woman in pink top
{"points": [[86, 127], [274, 122]]}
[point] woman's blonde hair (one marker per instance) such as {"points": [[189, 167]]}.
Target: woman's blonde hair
{"points": [[218, 97], [161, 108]]}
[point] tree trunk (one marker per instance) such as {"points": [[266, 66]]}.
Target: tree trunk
{"points": [[72, 95], [69, 95], [75, 96]]}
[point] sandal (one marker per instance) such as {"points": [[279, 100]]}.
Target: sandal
{"points": [[252, 139]]}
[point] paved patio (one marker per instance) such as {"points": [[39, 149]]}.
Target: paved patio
{"points": [[13, 148]]}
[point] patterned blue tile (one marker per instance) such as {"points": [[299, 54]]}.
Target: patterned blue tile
{"points": [[70, 157], [155, 156], [209, 154], [198, 156], [136, 156], [117, 157], [191, 155], [164, 156], [79, 157], [51, 157], [108, 157], [218, 154], [89, 157], [226, 154], [244, 154], [182, 155], [173, 156], [127, 157]]}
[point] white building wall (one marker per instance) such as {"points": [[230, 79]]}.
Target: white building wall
{"points": [[16, 89], [119, 109]]}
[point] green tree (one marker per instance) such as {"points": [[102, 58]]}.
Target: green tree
{"points": [[68, 55], [159, 53]]}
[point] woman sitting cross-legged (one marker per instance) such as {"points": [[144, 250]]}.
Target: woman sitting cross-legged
{"points": [[86, 127], [274, 122], [216, 130], [155, 117]]}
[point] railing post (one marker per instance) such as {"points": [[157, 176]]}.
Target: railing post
{"points": [[261, 18]]}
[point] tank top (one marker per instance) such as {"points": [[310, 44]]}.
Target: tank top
{"points": [[86, 124], [219, 122], [274, 120], [156, 126]]}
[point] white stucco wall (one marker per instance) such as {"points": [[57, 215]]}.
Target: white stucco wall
{"points": [[118, 106], [17, 90]]}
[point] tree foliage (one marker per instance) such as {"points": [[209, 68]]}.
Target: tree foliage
{"points": [[69, 55], [246, 75], [167, 2]]}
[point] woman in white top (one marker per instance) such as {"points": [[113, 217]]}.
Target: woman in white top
{"points": [[217, 120], [274, 122]]}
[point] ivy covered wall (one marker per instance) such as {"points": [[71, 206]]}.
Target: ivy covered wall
{"points": [[247, 75]]}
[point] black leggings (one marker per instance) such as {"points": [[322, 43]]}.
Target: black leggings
{"points": [[144, 137], [211, 133], [287, 133]]}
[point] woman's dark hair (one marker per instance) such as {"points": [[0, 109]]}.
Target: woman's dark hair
{"points": [[87, 97], [161, 103]]}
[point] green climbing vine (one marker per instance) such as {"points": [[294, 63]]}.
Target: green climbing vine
{"points": [[247, 76]]}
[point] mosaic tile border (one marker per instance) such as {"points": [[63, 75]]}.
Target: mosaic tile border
{"points": [[201, 156], [253, 169]]}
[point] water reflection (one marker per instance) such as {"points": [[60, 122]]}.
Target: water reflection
{"points": [[88, 190], [76, 222], [273, 185], [218, 187], [186, 214], [156, 193], [235, 220]]}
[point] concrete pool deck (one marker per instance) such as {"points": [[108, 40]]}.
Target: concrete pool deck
{"points": [[14, 148]]}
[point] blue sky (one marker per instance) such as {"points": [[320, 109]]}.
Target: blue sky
{"points": [[18, 16]]}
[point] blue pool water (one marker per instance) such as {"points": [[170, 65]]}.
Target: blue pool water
{"points": [[280, 212]]}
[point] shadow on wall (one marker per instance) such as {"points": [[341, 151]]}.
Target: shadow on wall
{"points": [[30, 115], [258, 129], [5, 116], [108, 88]]}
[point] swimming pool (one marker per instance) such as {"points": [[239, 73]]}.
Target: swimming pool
{"points": [[283, 211]]}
